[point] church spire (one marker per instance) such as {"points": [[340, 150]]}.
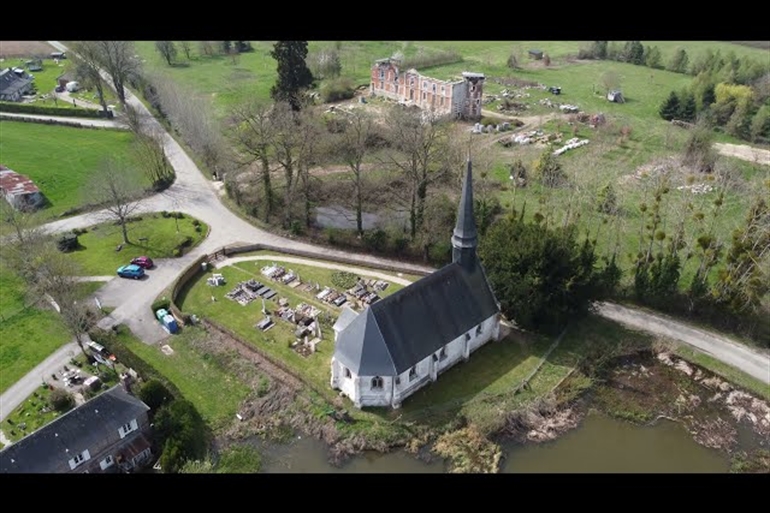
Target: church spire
{"points": [[464, 237]]}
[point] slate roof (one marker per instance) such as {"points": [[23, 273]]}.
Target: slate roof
{"points": [[11, 83], [346, 317], [397, 332], [85, 427], [464, 234]]}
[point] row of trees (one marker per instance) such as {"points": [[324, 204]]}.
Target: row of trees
{"points": [[727, 68], [171, 50], [743, 111]]}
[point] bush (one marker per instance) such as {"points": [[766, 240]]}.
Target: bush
{"points": [[160, 303], [376, 240], [61, 400], [344, 279], [337, 90], [26, 108], [154, 394]]}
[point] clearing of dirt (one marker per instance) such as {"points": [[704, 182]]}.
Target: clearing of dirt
{"points": [[744, 152], [17, 49]]}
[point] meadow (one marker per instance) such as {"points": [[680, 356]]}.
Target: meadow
{"points": [[63, 161]]}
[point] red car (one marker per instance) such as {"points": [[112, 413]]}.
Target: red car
{"points": [[143, 261]]}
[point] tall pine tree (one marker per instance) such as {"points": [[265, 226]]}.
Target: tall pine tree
{"points": [[293, 74]]}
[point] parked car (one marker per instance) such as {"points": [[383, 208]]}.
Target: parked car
{"points": [[131, 271], [143, 261]]}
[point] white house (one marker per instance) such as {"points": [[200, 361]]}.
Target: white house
{"points": [[405, 341]]}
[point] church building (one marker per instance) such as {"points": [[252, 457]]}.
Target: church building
{"points": [[403, 342]]}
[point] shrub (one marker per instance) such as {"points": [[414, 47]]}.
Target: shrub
{"points": [[154, 394], [344, 279], [337, 90], [376, 240], [61, 400]]}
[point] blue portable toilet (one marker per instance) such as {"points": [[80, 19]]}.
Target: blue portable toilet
{"points": [[170, 324]]}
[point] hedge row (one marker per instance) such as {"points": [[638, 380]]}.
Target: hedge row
{"points": [[78, 112]]}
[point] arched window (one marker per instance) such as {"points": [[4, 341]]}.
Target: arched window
{"points": [[478, 330], [346, 372], [412, 374], [376, 383], [442, 354]]}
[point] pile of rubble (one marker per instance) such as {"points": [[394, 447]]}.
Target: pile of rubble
{"points": [[532, 137], [571, 145], [699, 188], [478, 128]]}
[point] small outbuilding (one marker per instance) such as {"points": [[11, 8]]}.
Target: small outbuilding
{"points": [[20, 191]]}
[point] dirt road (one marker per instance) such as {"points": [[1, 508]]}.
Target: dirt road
{"points": [[744, 152]]}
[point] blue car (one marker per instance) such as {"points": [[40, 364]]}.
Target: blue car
{"points": [[131, 271]]}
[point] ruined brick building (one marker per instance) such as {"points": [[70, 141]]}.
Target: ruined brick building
{"points": [[460, 99]]}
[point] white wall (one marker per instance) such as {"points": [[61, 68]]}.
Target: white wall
{"points": [[396, 389]]}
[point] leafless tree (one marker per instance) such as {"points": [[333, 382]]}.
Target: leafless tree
{"points": [[186, 49], [353, 145], [118, 59], [56, 276], [313, 143], [115, 188], [148, 148], [192, 117], [206, 47], [167, 50], [418, 141], [87, 58], [286, 143], [250, 129]]}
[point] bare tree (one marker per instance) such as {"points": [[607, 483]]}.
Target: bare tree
{"points": [[148, 148], [167, 50], [118, 59], [87, 58], [114, 187], [353, 145], [250, 129], [56, 277], [286, 144], [418, 140], [192, 117], [186, 49], [312, 149]]}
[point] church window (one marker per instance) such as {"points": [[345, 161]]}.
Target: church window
{"points": [[412, 374], [442, 354], [346, 372], [398, 380], [478, 330], [467, 336], [376, 383], [435, 358]]}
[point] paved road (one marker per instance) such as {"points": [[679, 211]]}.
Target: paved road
{"points": [[752, 362], [23, 388]]}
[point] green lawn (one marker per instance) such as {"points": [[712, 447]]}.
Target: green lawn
{"points": [[63, 160], [97, 256], [196, 299], [215, 394], [252, 74]]}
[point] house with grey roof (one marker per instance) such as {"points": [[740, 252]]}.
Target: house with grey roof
{"points": [[107, 434], [405, 341], [14, 85]]}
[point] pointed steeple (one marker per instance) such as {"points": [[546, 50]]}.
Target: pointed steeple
{"points": [[464, 237]]}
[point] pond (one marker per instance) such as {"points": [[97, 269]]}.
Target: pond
{"points": [[600, 445]]}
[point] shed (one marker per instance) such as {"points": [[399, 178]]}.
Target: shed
{"points": [[34, 65], [616, 97], [20, 191]]}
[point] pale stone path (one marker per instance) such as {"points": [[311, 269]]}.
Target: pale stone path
{"points": [[316, 263]]}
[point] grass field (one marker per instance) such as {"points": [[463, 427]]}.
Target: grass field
{"points": [[196, 299], [215, 394], [253, 73], [96, 255], [28, 333], [62, 160]]}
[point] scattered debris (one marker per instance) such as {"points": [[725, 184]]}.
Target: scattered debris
{"points": [[571, 145], [700, 188]]}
